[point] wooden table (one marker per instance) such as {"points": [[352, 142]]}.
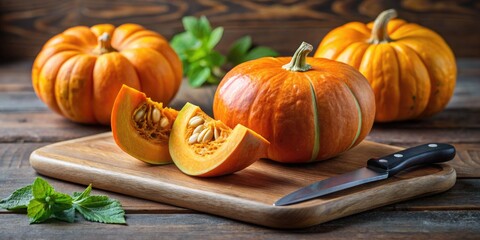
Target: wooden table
{"points": [[27, 124]]}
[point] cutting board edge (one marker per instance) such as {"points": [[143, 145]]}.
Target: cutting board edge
{"points": [[294, 216]]}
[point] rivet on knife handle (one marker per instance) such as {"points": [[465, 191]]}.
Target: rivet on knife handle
{"points": [[419, 155]]}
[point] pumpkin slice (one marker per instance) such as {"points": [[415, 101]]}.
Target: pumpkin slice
{"points": [[141, 127], [202, 146]]}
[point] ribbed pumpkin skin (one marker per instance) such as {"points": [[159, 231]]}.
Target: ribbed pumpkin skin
{"points": [[412, 75], [74, 80], [279, 105]]}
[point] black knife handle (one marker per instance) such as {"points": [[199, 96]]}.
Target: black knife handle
{"points": [[423, 154]]}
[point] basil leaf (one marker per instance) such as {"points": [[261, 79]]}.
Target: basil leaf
{"points": [[215, 37], [19, 199], [41, 189], [38, 211], [101, 209]]}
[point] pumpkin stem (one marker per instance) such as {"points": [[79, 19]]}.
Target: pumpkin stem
{"points": [[299, 59], [104, 45], [379, 30]]}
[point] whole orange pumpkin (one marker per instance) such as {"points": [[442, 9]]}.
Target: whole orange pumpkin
{"points": [[411, 69], [79, 72], [310, 109]]}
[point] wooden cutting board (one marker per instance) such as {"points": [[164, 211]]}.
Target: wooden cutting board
{"points": [[247, 195]]}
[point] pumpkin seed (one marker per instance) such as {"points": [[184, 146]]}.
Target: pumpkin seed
{"points": [[208, 135], [198, 129], [139, 114], [155, 115], [201, 135], [193, 138], [164, 122], [216, 132], [195, 121]]}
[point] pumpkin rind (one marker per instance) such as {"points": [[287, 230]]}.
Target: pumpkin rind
{"points": [[411, 69], [128, 138], [240, 149], [306, 116], [71, 61]]}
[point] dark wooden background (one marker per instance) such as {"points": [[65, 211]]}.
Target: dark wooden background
{"points": [[25, 25]]}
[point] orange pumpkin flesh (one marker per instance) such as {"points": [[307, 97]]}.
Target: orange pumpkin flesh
{"points": [[411, 69], [138, 129], [309, 109], [227, 151], [79, 72]]}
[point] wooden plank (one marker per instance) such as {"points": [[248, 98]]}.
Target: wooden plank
{"points": [[397, 136], [15, 156], [369, 225], [42, 127], [27, 26], [465, 195]]}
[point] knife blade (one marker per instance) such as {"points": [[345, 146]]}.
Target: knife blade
{"points": [[377, 169]]}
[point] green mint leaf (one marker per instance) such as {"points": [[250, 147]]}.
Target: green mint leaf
{"points": [[65, 215], [204, 27], [259, 52], [191, 25], [38, 211], [19, 199], [215, 37], [198, 75], [215, 59], [47, 202], [183, 42], [59, 201], [238, 49], [196, 55], [101, 209], [82, 195], [41, 189]]}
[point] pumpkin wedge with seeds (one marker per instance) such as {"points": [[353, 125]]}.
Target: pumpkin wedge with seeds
{"points": [[205, 147], [141, 127]]}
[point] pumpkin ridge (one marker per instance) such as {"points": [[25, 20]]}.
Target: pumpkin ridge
{"points": [[359, 127], [428, 72], [127, 29], [400, 53], [387, 80], [54, 82], [316, 141], [360, 25], [400, 77]]}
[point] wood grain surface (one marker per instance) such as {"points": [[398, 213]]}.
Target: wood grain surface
{"points": [[26, 25], [247, 195]]}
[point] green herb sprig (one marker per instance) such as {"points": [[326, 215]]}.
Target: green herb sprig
{"points": [[201, 62], [42, 202]]}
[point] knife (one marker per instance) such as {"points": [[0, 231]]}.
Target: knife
{"points": [[377, 169]]}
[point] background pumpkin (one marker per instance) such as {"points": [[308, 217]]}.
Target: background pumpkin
{"points": [[411, 69], [79, 72], [307, 114]]}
